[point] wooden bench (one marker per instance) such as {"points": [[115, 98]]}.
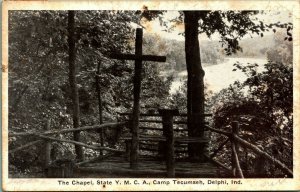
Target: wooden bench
{"points": [[159, 143], [162, 138], [167, 143]]}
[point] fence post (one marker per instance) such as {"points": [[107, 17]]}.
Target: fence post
{"points": [[47, 146], [233, 131], [236, 168], [127, 152], [167, 121]]}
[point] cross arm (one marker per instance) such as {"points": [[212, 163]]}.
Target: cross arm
{"points": [[143, 57]]}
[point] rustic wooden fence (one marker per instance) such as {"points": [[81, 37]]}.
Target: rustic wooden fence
{"points": [[170, 143], [233, 137], [236, 142], [64, 169]]}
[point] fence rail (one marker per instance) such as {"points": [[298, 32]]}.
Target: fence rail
{"points": [[85, 128], [44, 137], [159, 115], [169, 138]]}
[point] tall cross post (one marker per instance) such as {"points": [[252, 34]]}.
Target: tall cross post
{"points": [[138, 57]]}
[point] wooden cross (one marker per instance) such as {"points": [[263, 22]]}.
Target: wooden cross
{"points": [[138, 57]]}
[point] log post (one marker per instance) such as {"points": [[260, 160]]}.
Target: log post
{"points": [[137, 79], [161, 145], [236, 168], [234, 130], [127, 150], [235, 127], [167, 118], [47, 146]]}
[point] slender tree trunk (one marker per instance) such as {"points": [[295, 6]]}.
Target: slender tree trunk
{"points": [[98, 89], [195, 104], [73, 84]]}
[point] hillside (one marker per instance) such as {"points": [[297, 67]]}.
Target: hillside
{"points": [[211, 51]]}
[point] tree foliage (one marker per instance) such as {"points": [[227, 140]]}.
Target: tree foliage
{"points": [[232, 26], [38, 71]]}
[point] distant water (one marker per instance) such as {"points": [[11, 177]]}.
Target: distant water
{"points": [[221, 75]]}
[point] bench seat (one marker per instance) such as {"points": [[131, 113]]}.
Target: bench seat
{"points": [[176, 139]]}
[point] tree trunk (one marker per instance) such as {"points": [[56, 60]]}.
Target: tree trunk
{"points": [[98, 89], [73, 84], [195, 91]]}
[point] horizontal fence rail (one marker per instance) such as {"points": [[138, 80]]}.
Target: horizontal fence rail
{"points": [[79, 143], [158, 115], [85, 128], [161, 129], [43, 136]]}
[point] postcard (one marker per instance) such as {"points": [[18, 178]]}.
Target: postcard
{"points": [[150, 95]]}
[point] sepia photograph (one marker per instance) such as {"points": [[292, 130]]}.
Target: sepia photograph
{"points": [[143, 97]]}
